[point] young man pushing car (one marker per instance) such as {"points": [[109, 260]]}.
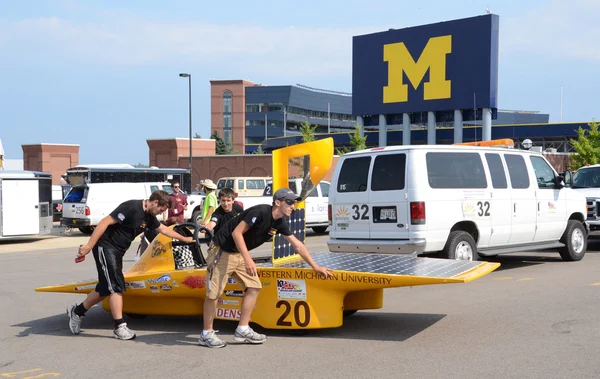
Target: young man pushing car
{"points": [[109, 242], [228, 256]]}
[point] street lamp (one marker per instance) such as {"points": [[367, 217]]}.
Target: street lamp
{"points": [[189, 76]]}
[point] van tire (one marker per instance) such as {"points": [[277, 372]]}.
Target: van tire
{"points": [[462, 242], [197, 217], [575, 241], [87, 230], [319, 229]]}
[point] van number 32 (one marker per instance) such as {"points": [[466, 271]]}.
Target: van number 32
{"points": [[361, 212], [484, 208]]}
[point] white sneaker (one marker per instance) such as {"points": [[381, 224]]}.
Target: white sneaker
{"points": [[124, 333], [74, 320], [249, 336]]}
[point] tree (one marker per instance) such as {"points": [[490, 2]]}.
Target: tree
{"points": [[140, 165], [221, 148], [587, 146], [197, 135], [259, 150], [308, 135], [358, 142]]}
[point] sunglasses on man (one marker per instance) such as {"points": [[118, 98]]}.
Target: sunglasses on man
{"points": [[289, 202]]}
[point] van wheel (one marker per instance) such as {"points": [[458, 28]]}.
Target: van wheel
{"points": [[460, 246], [197, 217], [319, 229], [575, 241], [87, 230]]}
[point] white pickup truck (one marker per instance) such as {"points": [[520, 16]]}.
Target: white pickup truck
{"points": [[85, 205], [316, 203], [586, 181]]}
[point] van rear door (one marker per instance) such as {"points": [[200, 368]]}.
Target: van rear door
{"points": [[75, 202], [350, 211], [388, 198]]}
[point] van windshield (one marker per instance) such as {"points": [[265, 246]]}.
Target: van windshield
{"points": [[587, 178]]}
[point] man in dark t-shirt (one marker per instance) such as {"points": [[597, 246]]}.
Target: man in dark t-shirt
{"points": [[229, 255], [226, 211], [109, 242]]}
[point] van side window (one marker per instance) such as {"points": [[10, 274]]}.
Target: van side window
{"points": [[240, 184], [543, 172], [517, 170], [153, 188], [324, 189], [255, 184], [229, 183], [455, 170], [354, 175], [496, 170], [388, 172]]}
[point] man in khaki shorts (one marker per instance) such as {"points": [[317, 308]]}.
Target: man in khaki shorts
{"points": [[228, 256]]}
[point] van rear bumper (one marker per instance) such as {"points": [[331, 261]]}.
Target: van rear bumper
{"points": [[77, 222], [410, 246]]}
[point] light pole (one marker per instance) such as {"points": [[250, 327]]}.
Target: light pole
{"points": [[189, 76]]}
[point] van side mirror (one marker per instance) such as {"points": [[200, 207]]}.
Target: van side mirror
{"points": [[568, 175], [559, 181]]}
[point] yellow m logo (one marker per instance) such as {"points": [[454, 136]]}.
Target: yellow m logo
{"points": [[433, 58]]}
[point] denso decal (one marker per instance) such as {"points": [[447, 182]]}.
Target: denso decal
{"points": [[166, 287], [194, 281], [161, 279], [229, 314]]}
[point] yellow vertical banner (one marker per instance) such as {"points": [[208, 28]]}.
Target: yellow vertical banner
{"points": [[320, 155]]}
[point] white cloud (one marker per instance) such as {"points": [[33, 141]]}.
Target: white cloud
{"points": [[123, 40], [559, 30]]}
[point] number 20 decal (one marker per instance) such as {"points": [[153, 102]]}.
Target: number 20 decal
{"points": [[484, 208], [365, 212], [301, 313]]}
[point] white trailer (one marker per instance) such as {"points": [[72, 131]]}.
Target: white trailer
{"points": [[25, 203]]}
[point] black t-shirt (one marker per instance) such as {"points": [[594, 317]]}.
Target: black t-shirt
{"points": [[262, 228], [220, 217], [131, 221]]}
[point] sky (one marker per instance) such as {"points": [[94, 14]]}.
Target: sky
{"points": [[104, 74]]}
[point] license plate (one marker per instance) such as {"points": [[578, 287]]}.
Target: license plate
{"points": [[387, 214]]}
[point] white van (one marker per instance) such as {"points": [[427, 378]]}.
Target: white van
{"points": [[243, 185], [85, 205], [461, 201]]}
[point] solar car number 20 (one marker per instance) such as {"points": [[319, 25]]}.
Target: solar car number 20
{"points": [[301, 314]]}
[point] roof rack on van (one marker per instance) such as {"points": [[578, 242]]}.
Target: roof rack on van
{"points": [[506, 142]]}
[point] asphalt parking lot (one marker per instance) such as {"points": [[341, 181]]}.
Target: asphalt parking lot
{"points": [[534, 317]]}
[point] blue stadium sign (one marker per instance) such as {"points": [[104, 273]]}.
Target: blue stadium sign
{"points": [[437, 67]]}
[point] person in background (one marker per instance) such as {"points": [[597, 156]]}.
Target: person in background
{"points": [[179, 204], [210, 201]]}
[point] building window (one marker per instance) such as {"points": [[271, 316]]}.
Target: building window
{"points": [[227, 104]]}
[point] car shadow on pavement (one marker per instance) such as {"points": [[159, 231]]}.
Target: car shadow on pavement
{"points": [[185, 330]]}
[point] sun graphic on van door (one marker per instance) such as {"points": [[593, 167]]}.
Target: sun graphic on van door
{"points": [[342, 212]]}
